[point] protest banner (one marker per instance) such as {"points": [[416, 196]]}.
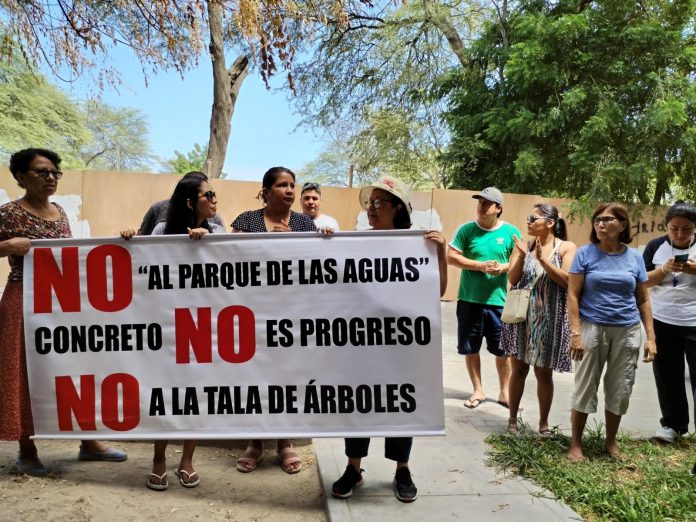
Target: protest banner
{"points": [[234, 336]]}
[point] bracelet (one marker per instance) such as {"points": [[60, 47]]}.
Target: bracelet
{"points": [[574, 334]]}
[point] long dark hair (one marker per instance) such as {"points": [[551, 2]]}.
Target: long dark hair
{"points": [[181, 213], [560, 230]]}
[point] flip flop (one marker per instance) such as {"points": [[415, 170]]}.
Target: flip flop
{"points": [[288, 457], [504, 404], [250, 460], [161, 486], [190, 481], [473, 403], [546, 433]]}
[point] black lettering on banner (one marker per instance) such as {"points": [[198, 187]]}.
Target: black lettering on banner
{"points": [[280, 329], [157, 403], [190, 401], [98, 338], [158, 280], [358, 331], [279, 273], [409, 402], [317, 272]]}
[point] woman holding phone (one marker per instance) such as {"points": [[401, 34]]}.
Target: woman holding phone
{"points": [[671, 264]]}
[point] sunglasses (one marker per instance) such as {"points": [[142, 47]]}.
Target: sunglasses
{"points": [[533, 218], [44, 173], [210, 195]]}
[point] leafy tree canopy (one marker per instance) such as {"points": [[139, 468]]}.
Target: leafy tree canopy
{"points": [[588, 100], [192, 160]]}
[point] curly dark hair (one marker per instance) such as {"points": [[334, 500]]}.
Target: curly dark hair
{"points": [[20, 160]]}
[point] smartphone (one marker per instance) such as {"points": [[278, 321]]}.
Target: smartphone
{"points": [[681, 258]]}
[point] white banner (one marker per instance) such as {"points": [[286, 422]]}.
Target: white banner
{"points": [[234, 336]]}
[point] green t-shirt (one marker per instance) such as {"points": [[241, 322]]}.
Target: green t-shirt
{"points": [[480, 244]]}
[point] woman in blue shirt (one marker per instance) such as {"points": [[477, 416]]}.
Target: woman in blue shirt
{"points": [[607, 300]]}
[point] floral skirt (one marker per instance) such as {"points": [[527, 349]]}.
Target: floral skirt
{"points": [[15, 406]]}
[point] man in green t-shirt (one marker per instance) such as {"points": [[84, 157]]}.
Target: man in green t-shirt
{"points": [[482, 248]]}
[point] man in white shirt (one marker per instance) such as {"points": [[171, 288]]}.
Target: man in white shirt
{"points": [[311, 203]]}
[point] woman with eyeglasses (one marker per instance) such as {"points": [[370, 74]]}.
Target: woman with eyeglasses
{"points": [[607, 301], [671, 264], [30, 217], [310, 199], [192, 204], [388, 207], [278, 195], [542, 340]]}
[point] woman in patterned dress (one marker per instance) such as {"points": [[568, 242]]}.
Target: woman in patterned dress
{"points": [[278, 195], [542, 340], [30, 217]]}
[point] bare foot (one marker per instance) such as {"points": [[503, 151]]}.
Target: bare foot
{"points": [[159, 471], [575, 454], [612, 449]]}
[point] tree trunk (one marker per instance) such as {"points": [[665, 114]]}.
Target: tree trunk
{"points": [[226, 85], [446, 27]]}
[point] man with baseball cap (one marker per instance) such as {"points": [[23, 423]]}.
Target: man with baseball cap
{"points": [[482, 248]]}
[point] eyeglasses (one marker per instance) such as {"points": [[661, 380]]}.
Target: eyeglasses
{"points": [[606, 219], [533, 219], [210, 195], [375, 203], [44, 173]]}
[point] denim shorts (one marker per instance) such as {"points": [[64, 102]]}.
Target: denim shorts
{"points": [[476, 321]]}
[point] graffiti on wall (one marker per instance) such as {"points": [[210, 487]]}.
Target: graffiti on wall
{"points": [[71, 203]]}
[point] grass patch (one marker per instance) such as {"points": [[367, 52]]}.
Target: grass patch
{"points": [[650, 482]]}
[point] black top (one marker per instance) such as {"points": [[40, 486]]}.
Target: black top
{"points": [[252, 221]]}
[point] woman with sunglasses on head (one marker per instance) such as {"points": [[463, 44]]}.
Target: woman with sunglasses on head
{"points": [[192, 204], [278, 195], [607, 301], [542, 340], [310, 199], [671, 264], [388, 207], [32, 216]]}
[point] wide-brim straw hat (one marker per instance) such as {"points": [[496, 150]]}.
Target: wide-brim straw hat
{"points": [[393, 186]]}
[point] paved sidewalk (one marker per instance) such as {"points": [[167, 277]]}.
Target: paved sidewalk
{"points": [[453, 480]]}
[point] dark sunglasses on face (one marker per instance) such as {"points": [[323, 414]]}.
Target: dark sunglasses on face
{"points": [[210, 195], [533, 219], [44, 173]]}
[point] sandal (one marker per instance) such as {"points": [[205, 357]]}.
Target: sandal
{"points": [[288, 458], [473, 403], [190, 482], [512, 427], [546, 433], [157, 486], [251, 458]]}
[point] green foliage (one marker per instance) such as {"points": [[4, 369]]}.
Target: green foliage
{"points": [[119, 138], [372, 74], [34, 113], [592, 103], [192, 160], [650, 482]]}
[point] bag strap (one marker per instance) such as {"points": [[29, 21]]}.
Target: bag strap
{"points": [[530, 287]]}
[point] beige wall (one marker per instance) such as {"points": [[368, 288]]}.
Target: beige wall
{"points": [[113, 201]]}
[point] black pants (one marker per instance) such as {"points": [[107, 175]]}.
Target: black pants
{"points": [[674, 344], [395, 448]]}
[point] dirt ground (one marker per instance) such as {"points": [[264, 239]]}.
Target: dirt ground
{"points": [[95, 491]]}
